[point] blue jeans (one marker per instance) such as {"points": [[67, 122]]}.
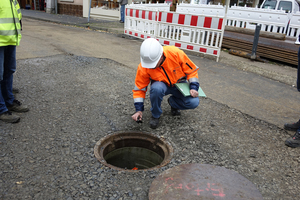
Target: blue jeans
{"points": [[7, 68], [122, 12], [298, 73], [159, 89]]}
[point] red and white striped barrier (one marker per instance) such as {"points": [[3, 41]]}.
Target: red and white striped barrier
{"points": [[198, 33], [191, 20], [143, 14], [140, 23], [275, 21]]}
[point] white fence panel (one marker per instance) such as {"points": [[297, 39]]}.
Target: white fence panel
{"points": [[199, 33], [201, 9], [141, 23], [294, 26], [275, 21], [193, 32], [200, 27], [150, 6], [271, 20]]}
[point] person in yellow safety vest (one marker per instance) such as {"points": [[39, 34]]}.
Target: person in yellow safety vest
{"points": [[163, 67], [10, 36]]}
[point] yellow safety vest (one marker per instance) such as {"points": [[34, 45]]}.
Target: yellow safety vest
{"points": [[10, 27]]}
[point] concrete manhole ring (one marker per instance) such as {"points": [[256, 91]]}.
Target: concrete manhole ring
{"points": [[133, 151]]}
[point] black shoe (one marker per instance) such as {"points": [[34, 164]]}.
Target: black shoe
{"points": [[121, 21], [9, 117], [174, 111], [294, 141], [154, 122], [292, 127]]}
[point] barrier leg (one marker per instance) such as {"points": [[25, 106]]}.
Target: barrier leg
{"points": [[255, 41]]}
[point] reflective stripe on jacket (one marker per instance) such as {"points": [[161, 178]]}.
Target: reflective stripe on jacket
{"points": [[176, 66], [10, 27]]}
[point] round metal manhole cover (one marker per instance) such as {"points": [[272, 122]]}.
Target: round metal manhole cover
{"points": [[133, 151], [202, 181]]}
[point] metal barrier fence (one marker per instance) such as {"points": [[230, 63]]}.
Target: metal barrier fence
{"points": [[200, 27], [198, 33], [270, 20], [276, 21], [201, 9], [141, 23], [294, 26]]}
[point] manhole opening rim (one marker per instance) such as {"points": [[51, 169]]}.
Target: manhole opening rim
{"points": [[150, 137]]}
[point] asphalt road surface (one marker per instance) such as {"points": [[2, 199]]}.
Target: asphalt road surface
{"points": [[78, 85]]}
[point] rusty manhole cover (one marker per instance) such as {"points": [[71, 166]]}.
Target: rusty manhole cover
{"points": [[202, 181], [133, 151]]}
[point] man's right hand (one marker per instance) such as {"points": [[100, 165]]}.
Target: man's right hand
{"points": [[137, 116]]}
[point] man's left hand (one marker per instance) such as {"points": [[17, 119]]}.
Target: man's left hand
{"points": [[194, 93]]}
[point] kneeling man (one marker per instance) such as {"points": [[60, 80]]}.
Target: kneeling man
{"points": [[162, 67]]}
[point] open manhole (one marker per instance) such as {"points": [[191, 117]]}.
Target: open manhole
{"points": [[133, 151]]}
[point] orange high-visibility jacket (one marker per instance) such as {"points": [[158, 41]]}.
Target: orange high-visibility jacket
{"points": [[176, 67]]}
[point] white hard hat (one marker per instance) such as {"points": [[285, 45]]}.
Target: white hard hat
{"points": [[150, 52]]}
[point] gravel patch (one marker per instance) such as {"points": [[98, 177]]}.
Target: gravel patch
{"points": [[75, 101]]}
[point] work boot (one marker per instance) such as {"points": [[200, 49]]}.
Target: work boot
{"points": [[292, 127], [154, 122], [9, 117], [294, 141], [17, 107], [174, 111]]}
